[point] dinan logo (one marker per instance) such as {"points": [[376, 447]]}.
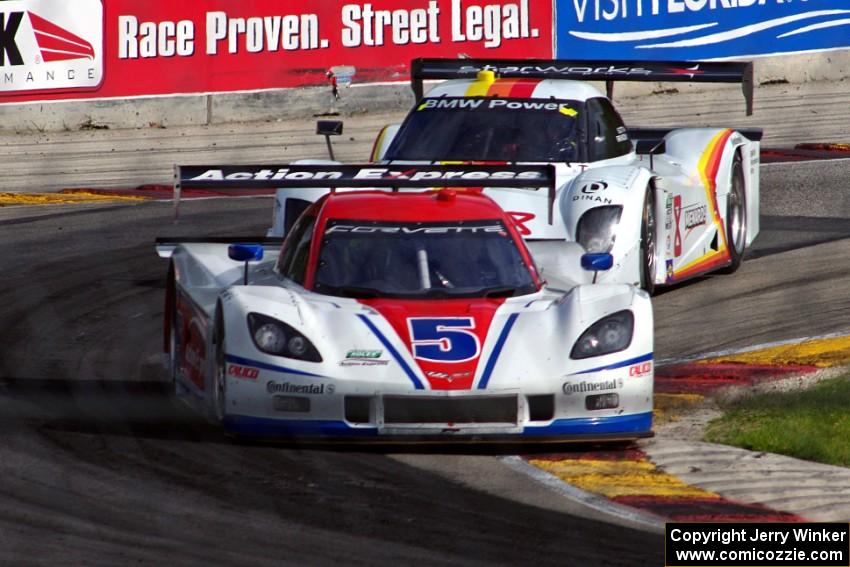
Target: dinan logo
{"points": [[50, 45]]}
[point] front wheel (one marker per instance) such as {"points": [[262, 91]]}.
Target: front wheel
{"points": [[736, 217], [647, 244]]}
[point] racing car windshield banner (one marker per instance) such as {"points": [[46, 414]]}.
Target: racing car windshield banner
{"points": [[698, 29], [56, 49]]}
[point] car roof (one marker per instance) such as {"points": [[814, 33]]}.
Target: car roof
{"points": [[420, 206], [516, 88]]}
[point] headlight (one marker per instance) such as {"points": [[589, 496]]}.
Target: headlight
{"points": [[596, 228], [610, 334], [276, 337]]}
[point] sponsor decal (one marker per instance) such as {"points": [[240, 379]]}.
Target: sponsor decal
{"points": [[593, 187], [520, 218], [48, 45], [273, 387], [695, 216], [442, 343], [583, 387], [364, 357], [435, 175], [363, 362], [612, 71], [590, 192], [669, 271], [362, 353], [677, 30], [444, 339], [677, 215], [162, 48], [495, 104], [491, 22], [244, 372], [668, 216], [642, 369], [425, 230], [592, 198], [449, 376]]}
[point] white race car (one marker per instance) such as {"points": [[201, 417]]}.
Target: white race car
{"points": [[404, 315], [668, 204]]}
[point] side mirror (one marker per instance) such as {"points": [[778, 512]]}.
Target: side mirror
{"points": [[328, 128], [597, 262], [651, 148], [245, 253]]}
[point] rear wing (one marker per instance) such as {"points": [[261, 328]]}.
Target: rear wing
{"points": [[608, 71], [364, 176]]}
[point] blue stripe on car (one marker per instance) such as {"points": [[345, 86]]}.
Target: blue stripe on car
{"points": [[497, 350], [627, 424], [410, 374], [620, 364], [265, 366], [586, 426]]}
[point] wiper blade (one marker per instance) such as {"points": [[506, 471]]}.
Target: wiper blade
{"points": [[364, 292]]}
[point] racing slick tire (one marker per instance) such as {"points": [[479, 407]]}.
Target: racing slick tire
{"points": [[648, 263], [219, 390], [736, 216]]}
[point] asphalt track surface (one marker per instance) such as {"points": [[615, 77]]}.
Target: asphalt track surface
{"points": [[100, 466]]}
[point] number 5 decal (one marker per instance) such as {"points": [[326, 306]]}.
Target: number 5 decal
{"points": [[443, 339]]}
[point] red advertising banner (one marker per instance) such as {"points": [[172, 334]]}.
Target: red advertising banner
{"points": [[127, 48]]}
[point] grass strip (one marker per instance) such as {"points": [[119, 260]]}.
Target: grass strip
{"points": [[813, 424]]}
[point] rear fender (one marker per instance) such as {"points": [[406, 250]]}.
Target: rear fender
{"points": [[689, 150]]}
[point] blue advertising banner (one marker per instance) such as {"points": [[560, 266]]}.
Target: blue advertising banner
{"points": [[698, 29]]}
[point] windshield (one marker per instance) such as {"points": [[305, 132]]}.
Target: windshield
{"points": [[489, 129], [421, 260]]}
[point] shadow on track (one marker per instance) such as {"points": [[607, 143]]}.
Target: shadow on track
{"points": [[149, 410]]}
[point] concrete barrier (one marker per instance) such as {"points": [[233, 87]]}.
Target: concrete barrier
{"points": [[305, 102]]}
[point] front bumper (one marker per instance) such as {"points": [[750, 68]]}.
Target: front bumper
{"points": [[271, 402], [585, 430]]}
